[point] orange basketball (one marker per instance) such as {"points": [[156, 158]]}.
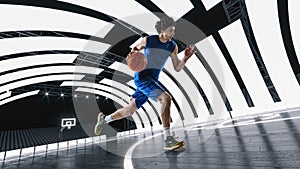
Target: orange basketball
{"points": [[136, 61]]}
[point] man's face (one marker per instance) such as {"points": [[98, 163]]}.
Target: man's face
{"points": [[168, 33]]}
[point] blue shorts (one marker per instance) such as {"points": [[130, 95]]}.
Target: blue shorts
{"points": [[146, 87]]}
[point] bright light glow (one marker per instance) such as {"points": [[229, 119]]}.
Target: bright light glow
{"points": [[81, 141], [294, 17], [20, 62], [127, 10], [75, 95], [2, 156], [29, 44], [121, 102], [210, 3], [72, 143], [40, 149], [39, 80], [48, 70], [103, 137], [12, 154], [225, 76], [5, 95], [46, 93], [62, 95], [57, 20], [87, 96], [270, 43], [176, 10], [52, 146], [244, 60], [27, 151], [63, 145], [20, 96], [89, 140]]}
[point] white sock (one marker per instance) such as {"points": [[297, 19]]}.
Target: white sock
{"points": [[167, 132], [108, 118]]}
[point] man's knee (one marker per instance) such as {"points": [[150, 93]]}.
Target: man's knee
{"points": [[165, 97], [132, 106]]}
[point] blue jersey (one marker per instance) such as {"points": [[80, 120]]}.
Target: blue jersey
{"points": [[157, 53]]}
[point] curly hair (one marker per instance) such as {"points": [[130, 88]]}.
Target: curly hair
{"points": [[164, 23]]}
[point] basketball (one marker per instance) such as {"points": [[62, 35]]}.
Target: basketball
{"points": [[136, 61]]}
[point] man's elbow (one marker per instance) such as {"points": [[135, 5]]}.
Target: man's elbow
{"points": [[178, 69]]}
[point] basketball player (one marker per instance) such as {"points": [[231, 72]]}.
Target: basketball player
{"points": [[157, 49]]}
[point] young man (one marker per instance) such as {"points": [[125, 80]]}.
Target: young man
{"points": [[157, 49]]}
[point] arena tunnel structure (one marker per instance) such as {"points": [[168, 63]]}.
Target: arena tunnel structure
{"points": [[66, 59]]}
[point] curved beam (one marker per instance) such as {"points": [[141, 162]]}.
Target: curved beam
{"points": [[283, 16], [270, 43], [64, 21], [20, 96], [48, 70], [41, 79], [16, 45], [27, 61]]}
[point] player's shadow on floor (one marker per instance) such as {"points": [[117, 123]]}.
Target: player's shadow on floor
{"points": [[172, 157]]}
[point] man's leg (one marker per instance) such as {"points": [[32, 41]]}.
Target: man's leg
{"points": [[124, 112], [165, 100], [170, 143], [119, 114]]}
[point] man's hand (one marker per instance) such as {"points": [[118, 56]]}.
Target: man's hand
{"points": [[189, 51]]}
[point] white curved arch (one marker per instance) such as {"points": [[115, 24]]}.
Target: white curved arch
{"points": [[48, 70], [23, 95], [246, 65], [41, 79], [210, 3], [117, 85], [224, 74], [270, 43], [294, 17], [26, 61], [192, 92], [5, 95], [129, 11], [176, 10], [24, 18], [29, 44], [121, 102]]}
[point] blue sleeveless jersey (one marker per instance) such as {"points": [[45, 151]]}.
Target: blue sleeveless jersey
{"points": [[157, 53]]}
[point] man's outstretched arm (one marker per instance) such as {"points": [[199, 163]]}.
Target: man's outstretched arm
{"points": [[179, 64]]}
